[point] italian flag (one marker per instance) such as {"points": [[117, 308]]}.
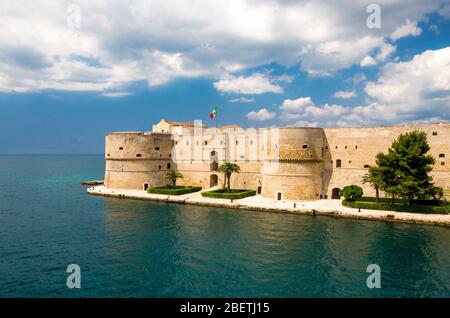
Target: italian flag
{"points": [[213, 113]]}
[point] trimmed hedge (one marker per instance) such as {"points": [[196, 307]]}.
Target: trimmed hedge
{"points": [[224, 194], [400, 201], [169, 190], [398, 207]]}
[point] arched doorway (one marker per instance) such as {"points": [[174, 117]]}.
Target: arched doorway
{"points": [[145, 186], [213, 180], [213, 162], [336, 194]]}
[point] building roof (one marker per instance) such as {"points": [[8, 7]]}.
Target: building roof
{"points": [[178, 123]]}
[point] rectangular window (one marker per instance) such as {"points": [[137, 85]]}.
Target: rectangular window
{"points": [[168, 166]]}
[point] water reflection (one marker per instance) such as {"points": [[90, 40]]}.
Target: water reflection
{"points": [[176, 250]]}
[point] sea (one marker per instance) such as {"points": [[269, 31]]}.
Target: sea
{"points": [[129, 248]]}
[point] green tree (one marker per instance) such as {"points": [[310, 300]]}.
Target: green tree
{"points": [[173, 176], [352, 193], [228, 169], [404, 169], [374, 178]]}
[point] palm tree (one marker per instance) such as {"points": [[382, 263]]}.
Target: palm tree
{"points": [[228, 169], [173, 176], [373, 177]]}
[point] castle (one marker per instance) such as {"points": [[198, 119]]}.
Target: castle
{"points": [[290, 163]]}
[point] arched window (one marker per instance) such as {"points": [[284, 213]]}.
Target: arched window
{"points": [[138, 155]]}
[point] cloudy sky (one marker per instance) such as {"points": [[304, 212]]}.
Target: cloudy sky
{"points": [[72, 71]]}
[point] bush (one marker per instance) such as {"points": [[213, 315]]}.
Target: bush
{"points": [[397, 207], [352, 193], [170, 190], [224, 194]]}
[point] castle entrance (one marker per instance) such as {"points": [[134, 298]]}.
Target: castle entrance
{"points": [[336, 194], [213, 180]]}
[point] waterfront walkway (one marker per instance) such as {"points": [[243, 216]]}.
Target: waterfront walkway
{"points": [[257, 203]]}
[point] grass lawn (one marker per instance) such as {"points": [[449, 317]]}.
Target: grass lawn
{"points": [[431, 207], [170, 190], [224, 194]]}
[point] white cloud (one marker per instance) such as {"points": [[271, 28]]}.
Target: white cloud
{"points": [[256, 83], [261, 115], [115, 94], [368, 61], [303, 123], [155, 41], [425, 77], [296, 105], [385, 51], [408, 29], [345, 94], [413, 91], [242, 100]]}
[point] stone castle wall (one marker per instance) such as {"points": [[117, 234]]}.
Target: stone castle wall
{"points": [[291, 163]]}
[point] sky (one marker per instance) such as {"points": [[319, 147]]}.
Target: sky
{"points": [[73, 71]]}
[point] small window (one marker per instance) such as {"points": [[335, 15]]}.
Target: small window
{"points": [[120, 148], [305, 146], [336, 147], [251, 142], [366, 166], [168, 166], [109, 155], [242, 157], [434, 133], [159, 167], [187, 143], [156, 148], [338, 163], [349, 161], [356, 147], [237, 142], [196, 143], [138, 155], [206, 142], [441, 155], [326, 147], [345, 147], [442, 163], [176, 142]]}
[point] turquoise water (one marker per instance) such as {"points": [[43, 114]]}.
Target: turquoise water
{"points": [[131, 248]]}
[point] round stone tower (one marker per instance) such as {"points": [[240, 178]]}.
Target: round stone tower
{"points": [[136, 160], [293, 164]]}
